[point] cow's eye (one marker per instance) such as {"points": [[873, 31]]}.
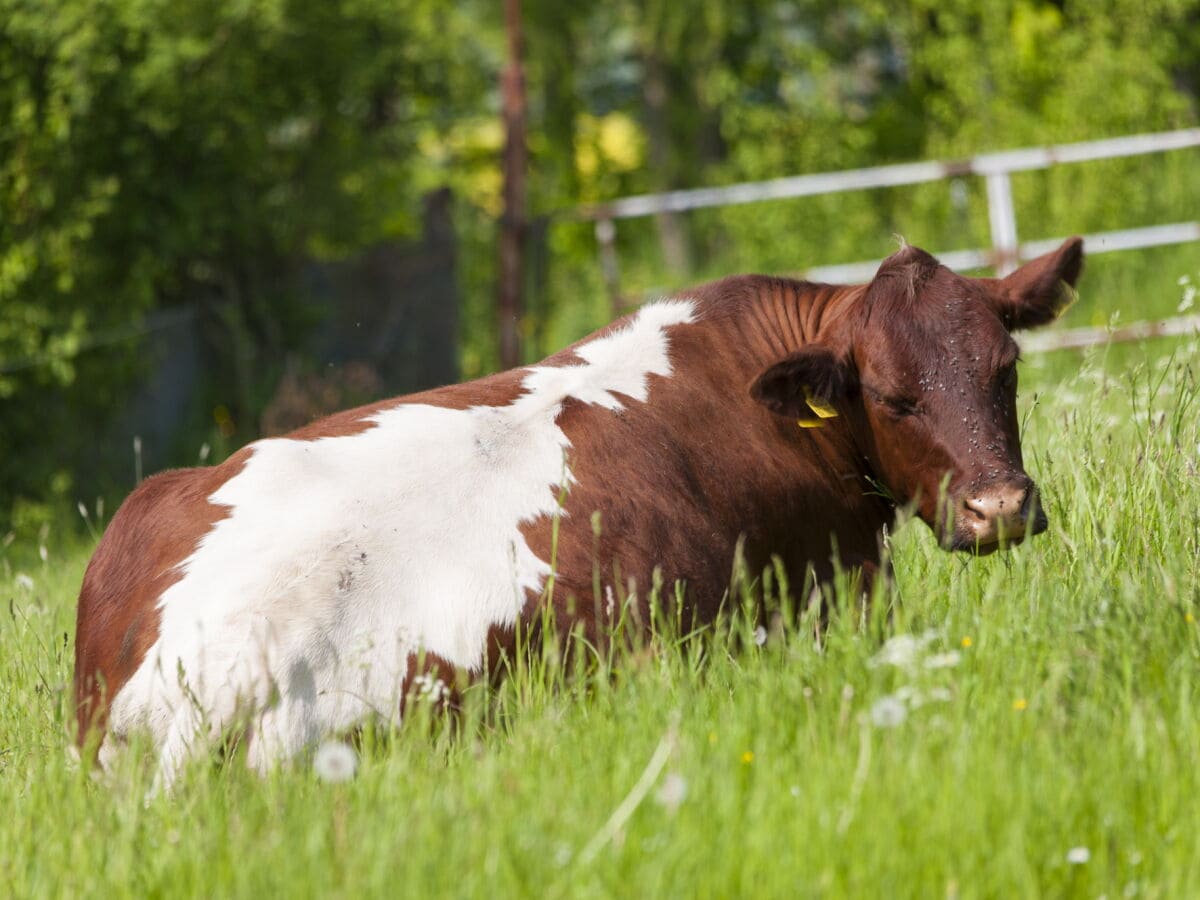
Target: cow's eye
{"points": [[900, 406], [896, 406]]}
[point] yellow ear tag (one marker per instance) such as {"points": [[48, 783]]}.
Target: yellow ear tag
{"points": [[822, 409], [810, 423]]}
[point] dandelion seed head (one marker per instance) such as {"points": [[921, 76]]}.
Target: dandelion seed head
{"points": [[760, 636], [672, 792], [888, 712], [335, 762], [23, 581], [1077, 856]]}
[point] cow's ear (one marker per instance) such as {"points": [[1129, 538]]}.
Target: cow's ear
{"points": [[1040, 290], [810, 376]]}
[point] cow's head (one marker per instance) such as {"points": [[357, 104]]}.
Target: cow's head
{"points": [[925, 368]]}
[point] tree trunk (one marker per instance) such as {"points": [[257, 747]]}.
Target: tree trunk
{"points": [[512, 224]]}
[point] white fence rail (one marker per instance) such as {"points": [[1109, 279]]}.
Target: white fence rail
{"points": [[1006, 251]]}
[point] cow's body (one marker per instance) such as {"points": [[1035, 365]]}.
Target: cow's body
{"points": [[295, 586]]}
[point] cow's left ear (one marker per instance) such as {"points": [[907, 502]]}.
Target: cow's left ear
{"points": [[1040, 290], [812, 380]]}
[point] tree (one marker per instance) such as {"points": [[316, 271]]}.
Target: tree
{"points": [[155, 152]]}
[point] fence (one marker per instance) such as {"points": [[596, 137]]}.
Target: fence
{"points": [[1005, 253]]}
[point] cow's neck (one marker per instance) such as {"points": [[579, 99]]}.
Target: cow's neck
{"points": [[784, 316], [783, 472]]}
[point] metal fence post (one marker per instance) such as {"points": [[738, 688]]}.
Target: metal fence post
{"points": [[610, 269], [1003, 221]]}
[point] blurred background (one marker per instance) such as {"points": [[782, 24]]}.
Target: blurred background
{"points": [[222, 218]]}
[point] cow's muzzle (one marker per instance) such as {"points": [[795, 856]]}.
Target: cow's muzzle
{"points": [[998, 516]]}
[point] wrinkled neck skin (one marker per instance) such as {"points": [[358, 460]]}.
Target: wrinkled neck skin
{"points": [[813, 489]]}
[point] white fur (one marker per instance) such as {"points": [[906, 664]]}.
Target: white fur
{"points": [[342, 557]]}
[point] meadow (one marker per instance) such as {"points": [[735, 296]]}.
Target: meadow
{"points": [[1021, 725]]}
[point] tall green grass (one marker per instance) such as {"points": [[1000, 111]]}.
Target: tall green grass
{"points": [[1021, 725]]}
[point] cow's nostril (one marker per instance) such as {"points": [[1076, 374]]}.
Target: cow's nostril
{"points": [[979, 508]]}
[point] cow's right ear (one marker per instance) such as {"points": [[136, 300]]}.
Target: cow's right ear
{"points": [[1040, 290], [810, 381]]}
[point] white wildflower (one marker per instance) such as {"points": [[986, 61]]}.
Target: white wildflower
{"points": [[335, 762], [903, 650], [888, 712], [1077, 856], [1189, 298], [43, 553], [672, 792], [915, 699], [431, 688], [23, 581], [943, 660], [760, 636]]}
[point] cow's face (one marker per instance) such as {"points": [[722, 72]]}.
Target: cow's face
{"points": [[926, 369]]}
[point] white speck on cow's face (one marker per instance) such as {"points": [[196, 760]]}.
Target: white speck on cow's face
{"points": [[343, 556]]}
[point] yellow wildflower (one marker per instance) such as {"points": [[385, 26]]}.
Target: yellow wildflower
{"points": [[1020, 703], [966, 641], [748, 757]]}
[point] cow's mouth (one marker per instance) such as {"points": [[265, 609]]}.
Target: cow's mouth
{"points": [[994, 518], [970, 541]]}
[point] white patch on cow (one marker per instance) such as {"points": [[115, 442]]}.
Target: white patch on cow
{"points": [[343, 556]]}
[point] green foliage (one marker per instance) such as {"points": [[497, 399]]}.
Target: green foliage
{"points": [[154, 152], [813, 86]]}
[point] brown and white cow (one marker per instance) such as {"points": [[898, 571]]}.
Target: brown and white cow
{"points": [[295, 585]]}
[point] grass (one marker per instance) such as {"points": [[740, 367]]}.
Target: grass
{"points": [[1051, 702]]}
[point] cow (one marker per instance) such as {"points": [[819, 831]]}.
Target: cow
{"points": [[311, 581]]}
